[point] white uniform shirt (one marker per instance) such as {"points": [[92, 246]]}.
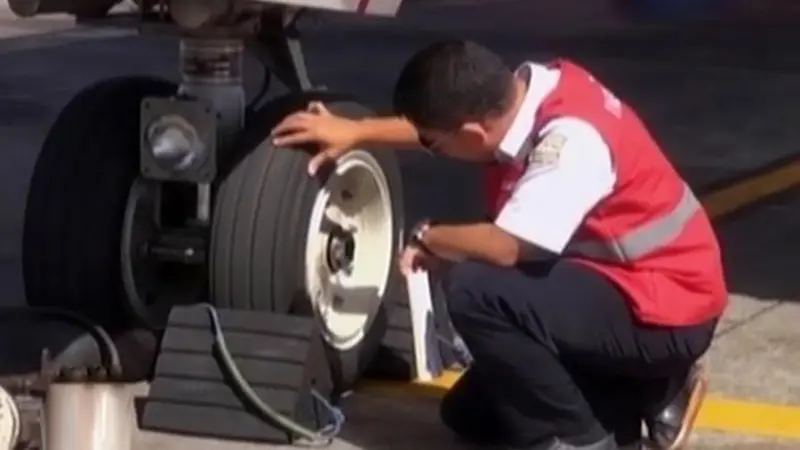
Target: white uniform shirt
{"points": [[554, 195]]}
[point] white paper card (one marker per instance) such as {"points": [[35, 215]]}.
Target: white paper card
{"points": [[427, 358]]}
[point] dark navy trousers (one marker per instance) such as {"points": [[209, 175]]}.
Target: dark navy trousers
{"points": [[558, 353]]}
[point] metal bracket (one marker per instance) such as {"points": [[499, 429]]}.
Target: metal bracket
{"points": [[200, 114], [278, 46]]}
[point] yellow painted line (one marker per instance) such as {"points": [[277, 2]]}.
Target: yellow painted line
{"points": [[750, 418], [718, 414], [750, 190], [434, 389]]}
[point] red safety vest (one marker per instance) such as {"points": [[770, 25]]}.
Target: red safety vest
{"points": [[650, 236]]}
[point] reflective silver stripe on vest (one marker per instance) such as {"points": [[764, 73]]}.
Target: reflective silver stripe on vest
{"points": [[644, 239]]}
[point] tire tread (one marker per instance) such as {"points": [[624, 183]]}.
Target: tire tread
{"points": [[260, 220], [76, 199]]}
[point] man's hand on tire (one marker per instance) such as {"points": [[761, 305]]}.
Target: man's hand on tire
{"points": [[334, 135]]}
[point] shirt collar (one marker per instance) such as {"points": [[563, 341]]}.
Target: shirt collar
{"points": [[541, 82]]}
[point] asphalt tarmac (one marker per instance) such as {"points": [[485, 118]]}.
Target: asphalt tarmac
{"points": [[722, 104]]}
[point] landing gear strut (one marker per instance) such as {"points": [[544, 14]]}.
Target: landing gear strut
{"points": [[149, 195]]}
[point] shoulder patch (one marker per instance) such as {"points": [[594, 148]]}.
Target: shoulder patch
{"points": [[547, 151]]}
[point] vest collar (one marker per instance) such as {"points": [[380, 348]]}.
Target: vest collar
{"points": [[542, 80]]}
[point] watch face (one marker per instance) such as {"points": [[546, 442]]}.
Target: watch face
{"points": [[9, 421], [419, 229]]}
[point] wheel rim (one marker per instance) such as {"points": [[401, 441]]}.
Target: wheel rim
{"points": [[139, 225], [9, 421], [349, 249], [153, 286]]}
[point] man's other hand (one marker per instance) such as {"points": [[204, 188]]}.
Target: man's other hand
{"points": [[414, 258], [334, 135]]}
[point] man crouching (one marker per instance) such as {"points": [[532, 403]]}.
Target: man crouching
{"points": [[597, 285]]}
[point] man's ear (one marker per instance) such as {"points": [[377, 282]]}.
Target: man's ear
{"points": [[475, 134]]}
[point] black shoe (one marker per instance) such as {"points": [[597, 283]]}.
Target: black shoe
{"points": [[607, 443], [671, 427]]}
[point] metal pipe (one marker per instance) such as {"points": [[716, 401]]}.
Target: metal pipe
{"points": [[88, 416], [211, 70], [204, 203]]}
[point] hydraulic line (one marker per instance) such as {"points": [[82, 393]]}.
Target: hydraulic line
{"points": [[307, 436], [108, 350]]}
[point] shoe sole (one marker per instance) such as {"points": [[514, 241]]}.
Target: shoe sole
{"points": [[695, 402]]}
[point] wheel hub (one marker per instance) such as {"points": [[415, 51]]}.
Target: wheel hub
{"points": [[341, 250], [163, 258], [349, 249]]}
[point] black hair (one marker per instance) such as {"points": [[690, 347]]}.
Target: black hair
{"points": [[452, 82]]}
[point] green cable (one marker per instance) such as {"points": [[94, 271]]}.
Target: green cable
{"points": [[315, 438]]}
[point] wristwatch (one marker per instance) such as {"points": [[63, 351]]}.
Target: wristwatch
{"points": [[417, 234]]}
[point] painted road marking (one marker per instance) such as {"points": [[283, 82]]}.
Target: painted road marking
{"points": [[718, 414], [760, 185]]}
